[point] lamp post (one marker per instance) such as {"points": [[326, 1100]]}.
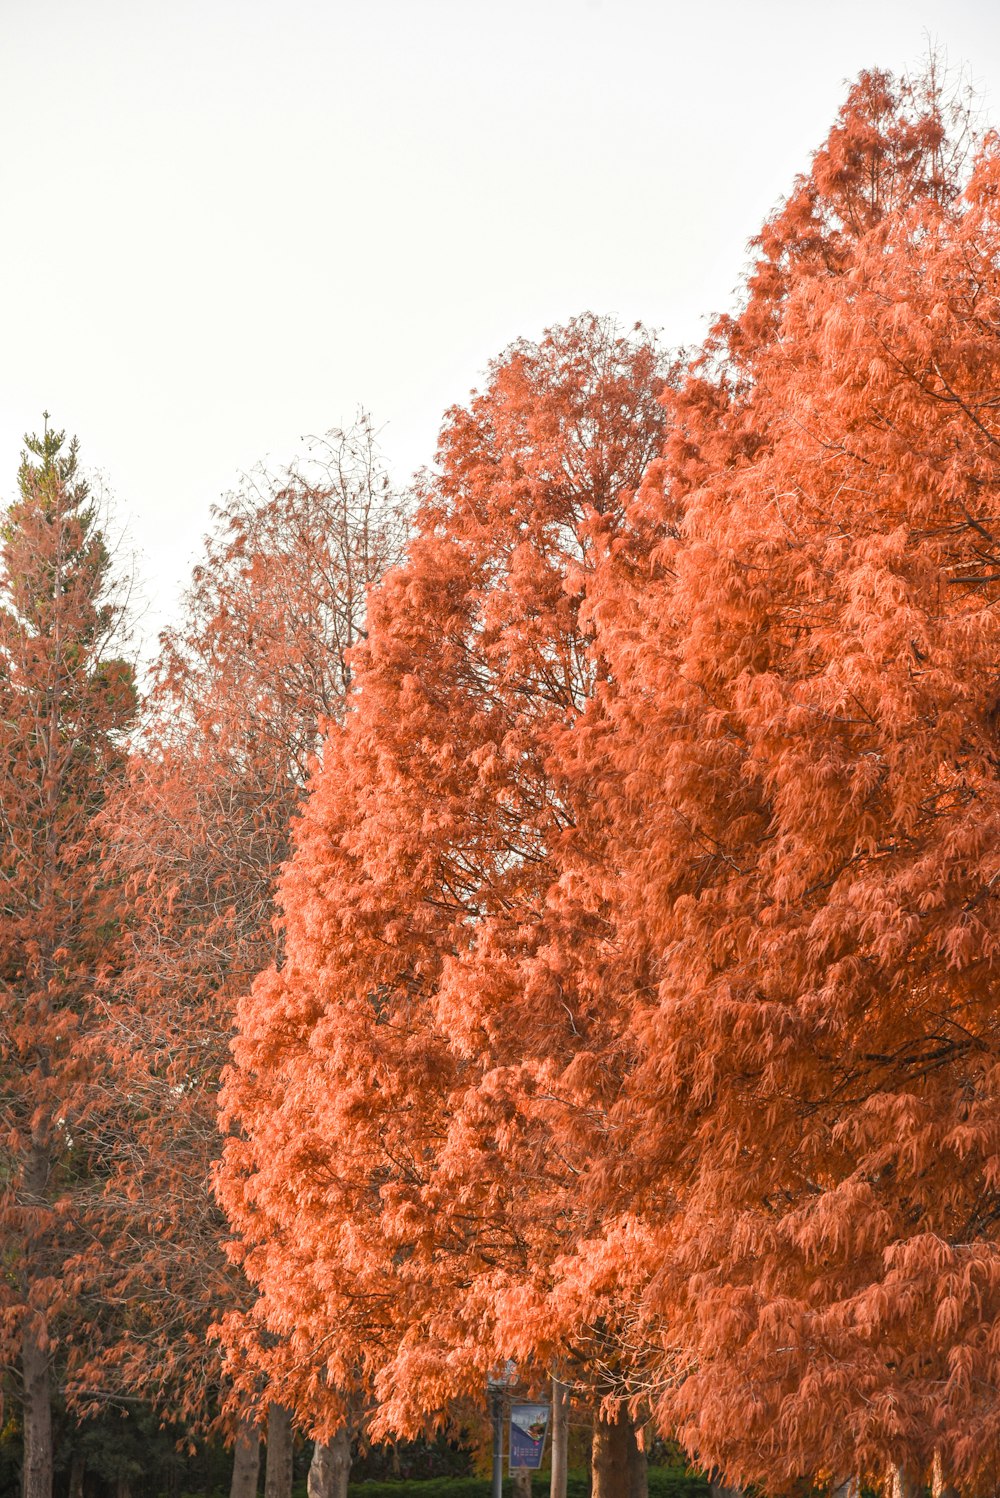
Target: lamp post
{"points": [[496, 1414], [496, 1388]]}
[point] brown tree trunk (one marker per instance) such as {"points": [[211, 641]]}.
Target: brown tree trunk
{"points": [[246, 1461], [940, 1486], [340, 1447], [638, 1467], [330, 1468], [905, 1484], [77, 1472], [37, 1414], [719, 1489], [560, 1439], [610, 1451], [521, 1480], [278, 1468]]}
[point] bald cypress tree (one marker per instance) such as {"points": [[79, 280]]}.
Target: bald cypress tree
{"points": [[65, 702]]}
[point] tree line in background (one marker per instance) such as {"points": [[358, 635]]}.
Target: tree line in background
{"points": [[548, 915]]}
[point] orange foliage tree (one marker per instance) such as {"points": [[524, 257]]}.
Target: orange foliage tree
{"points": [[638, 999], [803, 754], [416, 1087], [66, 700], [240, 692]]}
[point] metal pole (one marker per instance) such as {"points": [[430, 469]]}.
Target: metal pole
{"points": [[497, 1489], [560, 1438]]}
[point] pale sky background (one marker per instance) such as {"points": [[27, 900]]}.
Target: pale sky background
{"points": [[231, 223]]}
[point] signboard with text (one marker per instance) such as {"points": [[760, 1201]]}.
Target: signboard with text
{"points": [[528, 1424]]}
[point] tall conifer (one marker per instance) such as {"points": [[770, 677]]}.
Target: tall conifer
{"points": [[65, 702]]}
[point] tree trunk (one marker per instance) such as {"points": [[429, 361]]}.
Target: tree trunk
{"points": [[905, 1484], [341, 1446], [940, 1487], [37, 1414], [278, 1468], [610, 1450], [521, 1477], [330, 1468], [246, 1461], [720, 1489], [638, 1467], [77, 1472], [560, 1439]]}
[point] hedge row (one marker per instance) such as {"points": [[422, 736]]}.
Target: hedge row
{"points": [[664, 1482]]}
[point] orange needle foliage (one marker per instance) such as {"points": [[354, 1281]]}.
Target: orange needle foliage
{"points": [[65, 704], [638, 1005], [416, 1089], [809, 811], [241, 690], [634, 1011]]}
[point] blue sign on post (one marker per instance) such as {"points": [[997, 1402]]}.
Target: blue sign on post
{"points": [[528, 1424]]}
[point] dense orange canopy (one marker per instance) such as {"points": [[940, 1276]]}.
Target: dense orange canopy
{"points": [[807, 709], [416, 1090], [638, 1001]]}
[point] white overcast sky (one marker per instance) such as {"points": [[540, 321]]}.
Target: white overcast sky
{"points": [[228, 223]]}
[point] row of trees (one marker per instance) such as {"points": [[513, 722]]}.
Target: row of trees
{"points": [[632, 1008], [140, 855]]}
